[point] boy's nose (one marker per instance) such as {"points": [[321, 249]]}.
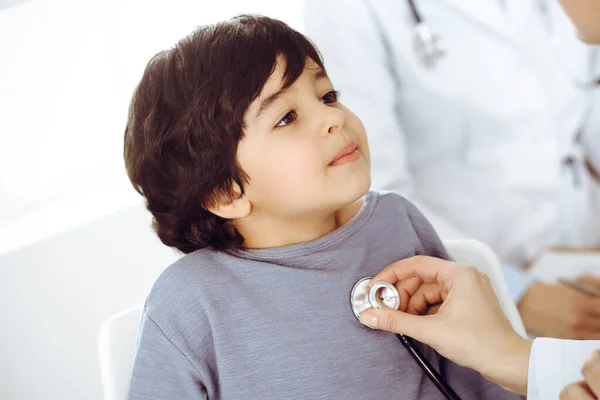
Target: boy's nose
{"points": [[335, 119]]}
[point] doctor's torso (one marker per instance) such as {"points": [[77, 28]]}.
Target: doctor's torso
{"points": [[481, 138], [502, 92]]}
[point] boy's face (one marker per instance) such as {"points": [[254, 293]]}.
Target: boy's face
{"points": [[303, 151]]}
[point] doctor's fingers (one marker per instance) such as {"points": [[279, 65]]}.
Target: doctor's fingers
{"points": [[429, 269], [427, 296], [577, 391], [407, 288], [582, 324], [417, 297], [590, 306], [593, 309], [433, 309], [591, 372], [590, 280], [424, 329]]}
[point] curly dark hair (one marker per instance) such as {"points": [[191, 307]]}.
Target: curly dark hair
{"points": [[186, 120]]}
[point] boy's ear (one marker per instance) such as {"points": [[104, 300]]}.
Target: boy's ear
{"points": [[235, 206]]}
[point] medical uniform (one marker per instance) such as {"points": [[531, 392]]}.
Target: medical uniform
{"points": [[555, 363], [490, 143]]}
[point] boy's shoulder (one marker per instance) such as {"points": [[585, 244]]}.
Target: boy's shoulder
{"points": [[391, 197], [396, 210], [183, 284]]}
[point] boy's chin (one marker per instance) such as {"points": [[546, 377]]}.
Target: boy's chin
{"points": [[357, 188], [366, 185]]}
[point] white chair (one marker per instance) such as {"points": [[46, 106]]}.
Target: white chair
{"points": [[116, 351], [480, 255], [118, 334]]}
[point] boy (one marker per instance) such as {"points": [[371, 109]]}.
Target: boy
{"points": [[251, 165]]}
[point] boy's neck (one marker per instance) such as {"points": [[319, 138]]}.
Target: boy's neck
{"points": [[263, 232]]}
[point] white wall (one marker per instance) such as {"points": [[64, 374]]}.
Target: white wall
{"points": [[67, 72], [55, 294]]}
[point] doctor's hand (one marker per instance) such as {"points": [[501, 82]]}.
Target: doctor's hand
{"points": [[589, 388], [469, 327], [558, 311]]}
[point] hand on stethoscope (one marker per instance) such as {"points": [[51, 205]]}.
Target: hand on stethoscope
{"points": [[469, 328], [417, 297]]}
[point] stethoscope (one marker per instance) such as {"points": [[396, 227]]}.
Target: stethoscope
{"points": [[429, 51], [383, 294], [427, 44]]}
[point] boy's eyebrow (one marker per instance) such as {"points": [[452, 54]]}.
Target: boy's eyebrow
{"points": [[317, 74], [266, 103]]}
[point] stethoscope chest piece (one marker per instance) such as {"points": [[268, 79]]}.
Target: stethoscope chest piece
{"points": [[380, 294], [427, 46]]}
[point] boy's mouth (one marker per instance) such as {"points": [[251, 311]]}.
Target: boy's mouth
{"points": [[348, 154]]}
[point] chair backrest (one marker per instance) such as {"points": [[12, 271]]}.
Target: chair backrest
{"points": [[117, 343], [118, 334], [481, 256]]}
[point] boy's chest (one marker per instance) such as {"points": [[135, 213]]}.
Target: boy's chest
{"points": [[292, 334], [313, 350]]}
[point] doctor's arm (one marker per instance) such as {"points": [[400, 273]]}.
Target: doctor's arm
{"points": [[470, 329]]}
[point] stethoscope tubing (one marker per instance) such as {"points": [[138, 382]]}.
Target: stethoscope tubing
{"points": [[426, 366]]}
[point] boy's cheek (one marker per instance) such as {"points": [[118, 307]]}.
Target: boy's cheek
{"points": [[292, 168], [363, 142], [365, 152]]}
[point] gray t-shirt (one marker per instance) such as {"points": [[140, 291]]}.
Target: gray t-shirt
{"points": [[277, 324]]}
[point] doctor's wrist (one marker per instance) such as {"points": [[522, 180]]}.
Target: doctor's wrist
{"points": [[510, 368]]}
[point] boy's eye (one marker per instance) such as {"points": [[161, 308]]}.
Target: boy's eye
{"points": [[331, 97], [287, 119]]}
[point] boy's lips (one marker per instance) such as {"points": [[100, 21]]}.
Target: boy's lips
{"points": [[348, 153]]}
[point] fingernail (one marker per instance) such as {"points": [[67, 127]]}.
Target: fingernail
{"points": [[370, 321]]}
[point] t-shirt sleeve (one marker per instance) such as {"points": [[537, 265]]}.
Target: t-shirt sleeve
{"points": [[431, 242], [161, 371]]}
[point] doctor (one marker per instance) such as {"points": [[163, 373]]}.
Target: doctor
{"points": [[497, 139]]}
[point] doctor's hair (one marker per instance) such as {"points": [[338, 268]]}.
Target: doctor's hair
{"points": [[186, 118]]}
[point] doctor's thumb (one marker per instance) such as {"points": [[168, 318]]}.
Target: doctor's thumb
{"points": [[395, 321]]}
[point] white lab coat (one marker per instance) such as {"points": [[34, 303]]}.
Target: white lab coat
{"points": [[478, 142], [555, 363]]}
